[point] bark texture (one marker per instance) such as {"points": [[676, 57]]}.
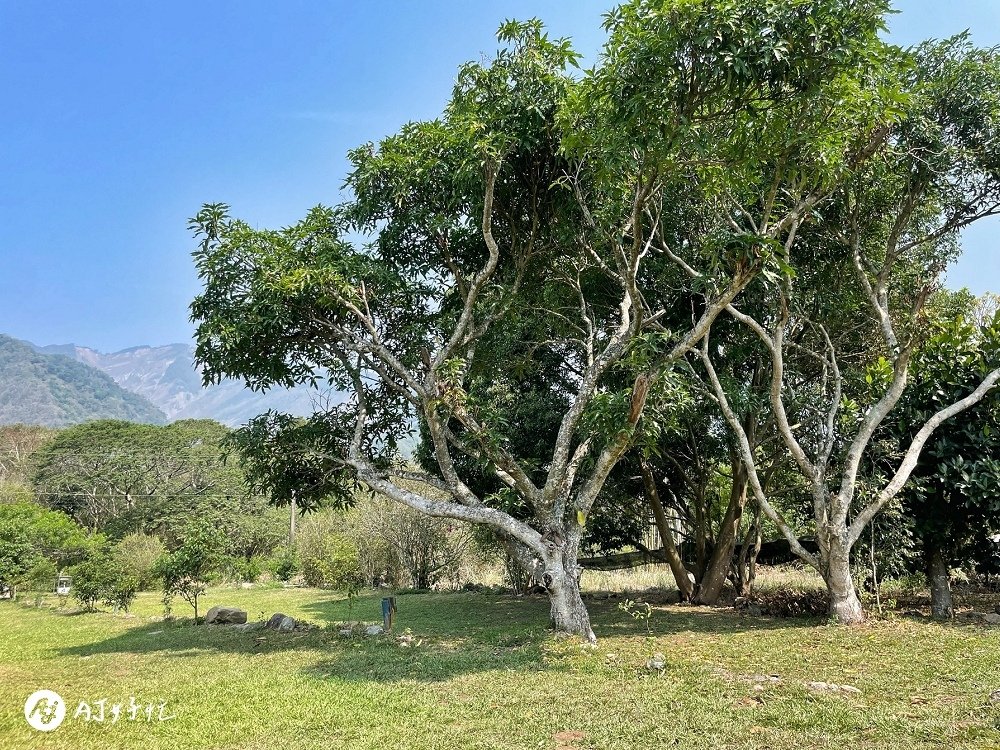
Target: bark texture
{"points": [[717, 571], [939, 581]]}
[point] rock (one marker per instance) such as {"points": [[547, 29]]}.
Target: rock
{"points": [[850, 689], [657, 663], [347, 632], [281, 622], [225, 616], [248, 627], [992, 618], [995, 696], [275, 620], [374, 630]]}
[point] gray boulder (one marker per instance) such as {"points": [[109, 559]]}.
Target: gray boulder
{"points": [[225, 616], [281, 622], [374, 630]]}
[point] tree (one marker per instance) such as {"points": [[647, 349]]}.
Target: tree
{"points": [[891, 229], [185, 571], [30, 535], [952, 502], [576, 205]]}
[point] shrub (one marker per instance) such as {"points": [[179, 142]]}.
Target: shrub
{"points": [[242, 570], [284, 565], [427, 550], [186, 570], [328, 557], [120, 590], [136, 555], [91, 579]]}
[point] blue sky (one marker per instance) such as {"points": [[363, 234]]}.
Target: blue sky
{"points": [[119, 119]]}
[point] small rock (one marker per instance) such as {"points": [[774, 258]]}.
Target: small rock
{"points": [[374, 630], [821, 686], [850, 689], [992, 618], [995, 696], [225, 616], [657, 663], [276, 618], [347, 632]]}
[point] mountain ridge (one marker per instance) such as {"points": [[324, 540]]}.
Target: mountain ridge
{"points": [[56, 390], [167, 376]]}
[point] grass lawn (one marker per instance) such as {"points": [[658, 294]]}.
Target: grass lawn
{"points": [[483, 672]]}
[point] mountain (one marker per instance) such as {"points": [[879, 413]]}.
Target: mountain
{"points": [[55, 390], [168, 377]]}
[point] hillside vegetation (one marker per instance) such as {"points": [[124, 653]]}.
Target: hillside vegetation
{"points": [[54, 391]]}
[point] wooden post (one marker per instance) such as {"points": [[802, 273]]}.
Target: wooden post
{"points": [[388, 612]]}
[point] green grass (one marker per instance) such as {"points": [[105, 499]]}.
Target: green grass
{"points": [[483, 672]]}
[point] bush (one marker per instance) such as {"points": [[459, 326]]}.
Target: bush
{"points": [[327, 556], [136, 556], [427, 550], [284, 565], [242, 570], [42, 576], [91, 579], [186, 570], [120, 590]]}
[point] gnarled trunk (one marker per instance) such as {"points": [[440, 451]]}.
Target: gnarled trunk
{"points": [[562, 583], [939, 581], [717, 571], [845, 607], [681, 576]]}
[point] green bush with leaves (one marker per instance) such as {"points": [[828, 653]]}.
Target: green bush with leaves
{"points": [[91, 579], [242, 570], [283, 565], [187, 570], [136, 555], [34, 539], [120, 590]]}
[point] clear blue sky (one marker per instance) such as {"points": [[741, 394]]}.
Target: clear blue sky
{"points": [[118, 119]]}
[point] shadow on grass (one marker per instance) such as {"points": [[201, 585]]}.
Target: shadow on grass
{"points": [[436, 636]]}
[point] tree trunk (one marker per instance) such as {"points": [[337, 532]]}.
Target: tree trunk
{"points": [[717, 570], [562, 582], [746, 564], [681, 577], [939, 581], [845, 607]]}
